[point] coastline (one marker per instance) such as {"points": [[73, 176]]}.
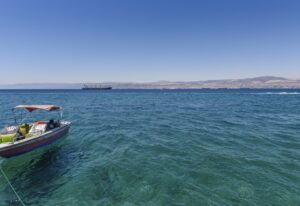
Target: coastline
{"points": [[266, 82]]}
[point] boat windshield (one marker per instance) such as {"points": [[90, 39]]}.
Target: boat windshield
{"points": [[9, 130]]}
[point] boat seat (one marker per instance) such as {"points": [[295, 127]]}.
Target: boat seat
{"points": [[8, 134], [37, 129], [10, 129], [4, 138]]}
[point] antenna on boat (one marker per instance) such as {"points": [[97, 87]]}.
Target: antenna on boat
{"points": [[15, 118], [61, 114]]}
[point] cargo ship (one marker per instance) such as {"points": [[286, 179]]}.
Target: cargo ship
{"points": [[95, 87]]}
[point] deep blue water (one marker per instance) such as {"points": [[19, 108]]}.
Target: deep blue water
{"points": [[162, 147]]}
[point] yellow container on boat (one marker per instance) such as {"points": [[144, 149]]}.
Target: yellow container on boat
{"points": [[23, 131]]}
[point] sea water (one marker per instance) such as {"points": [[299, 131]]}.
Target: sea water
{"points": [[161, 147]]}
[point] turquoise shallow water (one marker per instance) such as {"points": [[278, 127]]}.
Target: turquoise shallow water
{"points": [[160, 147]]}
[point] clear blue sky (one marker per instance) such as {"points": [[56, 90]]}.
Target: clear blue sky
{"points": [[147, 40]]}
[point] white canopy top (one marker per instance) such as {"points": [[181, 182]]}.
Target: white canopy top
{"points": [[31, 108]]}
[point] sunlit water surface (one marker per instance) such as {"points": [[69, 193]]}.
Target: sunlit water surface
{"points": [[162, 147]]}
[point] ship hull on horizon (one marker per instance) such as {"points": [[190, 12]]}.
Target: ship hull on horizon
{"points": [[95, 88]]}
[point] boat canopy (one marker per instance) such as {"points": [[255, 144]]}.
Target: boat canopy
{"points": [[31, 108]]}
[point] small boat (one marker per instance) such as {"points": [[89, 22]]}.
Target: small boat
{"points": [[20, 138]]}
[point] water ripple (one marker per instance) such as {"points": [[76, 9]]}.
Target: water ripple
{"points": [[163, 148]]}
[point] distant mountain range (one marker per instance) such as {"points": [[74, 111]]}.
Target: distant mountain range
{"points": [[253, 83]]}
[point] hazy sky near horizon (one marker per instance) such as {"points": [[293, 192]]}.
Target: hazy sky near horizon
{"points": [[147, 40]]}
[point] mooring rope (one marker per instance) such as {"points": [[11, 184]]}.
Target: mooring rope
{"points": [[13, 189]]}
